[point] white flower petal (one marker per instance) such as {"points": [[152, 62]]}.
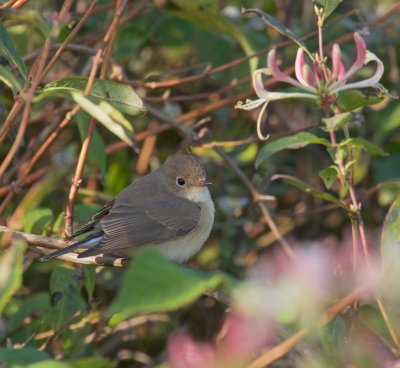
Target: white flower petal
{"points": [[261, 137], [249, 104]]}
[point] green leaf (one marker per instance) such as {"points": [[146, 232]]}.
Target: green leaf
{"points": [[121, 97], [38, 303], [388, 192], [49, 364], [90, 279], [84, 211], [385, 122], [337, 121], [390, 243], [11, 272], [366, 145], [33, 18], [7, 49], [354, 99], [154, 284], [296, 141], [97, 150], [37, 220], [201, 13], [118, 173], [333, 334], [329, 176], [306, 188], [65, 295], [282, 29], [92, 362], [103, 117], [10, 80], [329, 6], [21, 357]]}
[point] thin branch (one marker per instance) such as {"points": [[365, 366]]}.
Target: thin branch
{"points": [[46, 245], [69, 213], [257, 198], [56, 46], [26, 169], [8, 4], [69, 38], [27, 181], [36, 69], [12, 116], [109, 42], [65, 8], [198, 96]]}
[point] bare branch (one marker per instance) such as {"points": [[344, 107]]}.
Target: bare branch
{"points": [[46, 245]]}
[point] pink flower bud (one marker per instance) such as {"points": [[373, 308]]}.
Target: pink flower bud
{"points": [[360, 60]]}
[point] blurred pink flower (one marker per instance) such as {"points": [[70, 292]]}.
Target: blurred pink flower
{"points": [[311, 80], [243, 338], [238, 342], [184, 352]]}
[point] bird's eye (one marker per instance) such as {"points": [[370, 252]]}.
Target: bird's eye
{"points": [[181, 182]]}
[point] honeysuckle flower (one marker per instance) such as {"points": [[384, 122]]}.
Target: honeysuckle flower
{"points": [[312, 80]]}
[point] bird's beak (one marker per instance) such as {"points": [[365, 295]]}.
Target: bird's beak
{"points": [[204, 183]]}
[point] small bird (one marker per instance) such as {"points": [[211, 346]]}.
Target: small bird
{"points": [[170, 210]]}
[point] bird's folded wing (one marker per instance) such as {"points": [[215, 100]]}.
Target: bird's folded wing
{"points": [[89, 226], [155, 222]]}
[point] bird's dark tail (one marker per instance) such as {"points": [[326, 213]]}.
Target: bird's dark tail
{"points": [[88, 242]]}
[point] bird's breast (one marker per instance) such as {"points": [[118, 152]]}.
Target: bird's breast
{"points": [[184, 247]]}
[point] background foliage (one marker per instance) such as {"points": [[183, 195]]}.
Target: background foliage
{"points": [[190, 62]]}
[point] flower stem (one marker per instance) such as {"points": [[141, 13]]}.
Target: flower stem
{"points": [[321, 48]]}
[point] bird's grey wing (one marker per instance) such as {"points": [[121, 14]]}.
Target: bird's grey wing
{"points": [[91, 225], [156, 221]]}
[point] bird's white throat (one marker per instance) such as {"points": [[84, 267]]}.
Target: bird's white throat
{"points": [[198, 194]]}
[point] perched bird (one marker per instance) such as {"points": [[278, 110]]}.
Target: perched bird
{"points": [[170, 210]]}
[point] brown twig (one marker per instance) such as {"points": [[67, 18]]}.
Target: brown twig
{"points": [[36, 69], [145, 154], [8, 4], [198, 96], [19, 4], [47, 143], [12, 115], [65, 8], [69, 212], [109, 41], [240, 142], [256, 196], [68, 40], [27, 180], [56, 46], [27, 168]]}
